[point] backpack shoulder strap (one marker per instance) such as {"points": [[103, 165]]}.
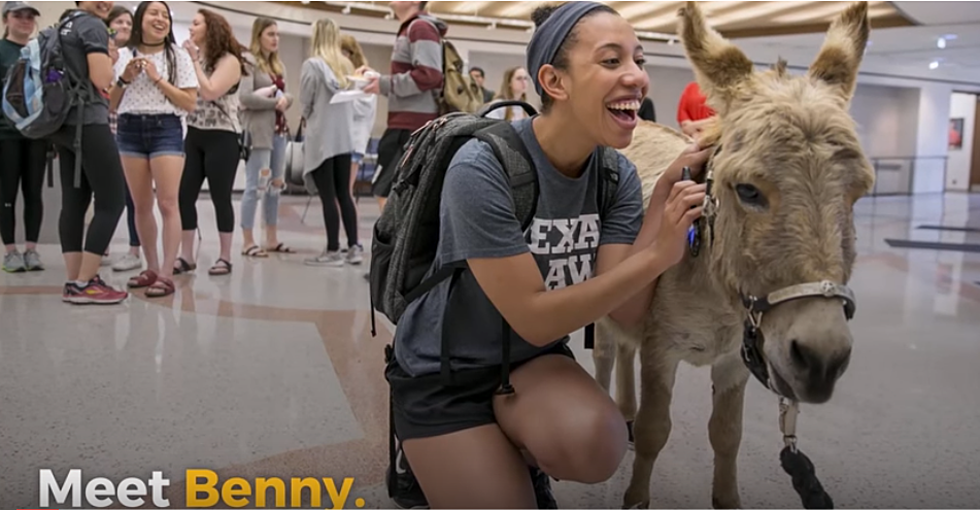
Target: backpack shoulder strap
{"points": [[608, 179], [606, 196], [516, 160]]}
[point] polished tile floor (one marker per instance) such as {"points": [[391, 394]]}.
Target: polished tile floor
{"points": [[273, 371]]}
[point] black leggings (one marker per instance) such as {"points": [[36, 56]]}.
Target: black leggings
{"points": [[332, 180], [213, 155], [22, 164], [102, 175], [134, 237]]}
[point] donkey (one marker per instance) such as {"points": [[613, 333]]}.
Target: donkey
{"points": [[766, 293]]}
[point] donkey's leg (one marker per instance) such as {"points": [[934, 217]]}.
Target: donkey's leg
{"points": [[625, 380], [604, 354], [728, 378], [652, 426]]}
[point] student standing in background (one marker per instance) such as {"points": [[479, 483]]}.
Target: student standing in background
{"points": [[693, 113], [88, 52], [264, 102], [364, 109], [120, 20], [416, 72], [22, 160], [156, 88], [211, 144], [513, 88], [329, 141]]}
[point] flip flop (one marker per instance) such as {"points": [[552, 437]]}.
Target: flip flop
{"points": [[281, 248], [255, 251]]}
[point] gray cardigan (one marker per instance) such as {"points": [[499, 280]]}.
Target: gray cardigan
{"points": [[258, 113], [329, 127]]}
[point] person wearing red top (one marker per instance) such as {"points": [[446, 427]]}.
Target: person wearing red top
{"points": [[692, 111]]}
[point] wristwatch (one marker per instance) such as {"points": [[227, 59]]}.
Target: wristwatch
{"points": [[122, 83]]}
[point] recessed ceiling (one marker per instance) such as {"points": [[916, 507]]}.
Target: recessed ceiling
{"points": [[732, 19]]}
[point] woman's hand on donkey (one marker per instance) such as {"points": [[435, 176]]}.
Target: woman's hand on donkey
{"points": [[693, 157]]}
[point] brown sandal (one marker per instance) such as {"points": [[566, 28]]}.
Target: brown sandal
{"points": [[145, 279], [163, 287], [220, 268], [183, 266]]}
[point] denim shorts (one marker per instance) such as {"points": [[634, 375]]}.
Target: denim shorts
{"points": [[356, 157], [150, 136]]}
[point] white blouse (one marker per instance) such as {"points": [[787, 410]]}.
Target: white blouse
{"points": [[142, 96]]}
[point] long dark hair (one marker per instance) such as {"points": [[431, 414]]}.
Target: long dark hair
{"points": [[136, 38]]}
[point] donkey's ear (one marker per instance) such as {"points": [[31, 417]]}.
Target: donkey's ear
{"points": [[719, 66], [842, 51]]}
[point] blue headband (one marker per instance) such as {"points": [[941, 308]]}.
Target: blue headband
{"points": [[552, 33]]}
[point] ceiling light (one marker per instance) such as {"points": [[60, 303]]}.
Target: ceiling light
{"points": [[941, 43], [934, 64]]}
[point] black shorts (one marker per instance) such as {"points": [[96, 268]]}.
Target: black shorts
{"points": [[390, 150], [425, 406]]}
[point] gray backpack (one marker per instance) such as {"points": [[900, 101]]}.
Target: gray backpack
{"points": [[406, 235]]}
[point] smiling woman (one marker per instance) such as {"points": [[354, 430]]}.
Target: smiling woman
{"points": [[156, 89], [470, 440]]}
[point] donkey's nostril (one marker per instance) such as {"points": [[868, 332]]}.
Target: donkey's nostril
{"points": [[797, 355]]}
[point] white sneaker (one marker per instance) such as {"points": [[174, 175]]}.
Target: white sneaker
{"points": [[355, 255], [127, 262], [327, 258]]}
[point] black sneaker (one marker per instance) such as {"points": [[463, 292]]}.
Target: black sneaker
{"points": [[542, 489], [403, 489]]}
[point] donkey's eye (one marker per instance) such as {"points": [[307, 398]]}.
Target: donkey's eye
{"points": [[750, 195]]}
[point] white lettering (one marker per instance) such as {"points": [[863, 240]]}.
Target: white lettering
{"points": [[556, 274], [580, 267], [128, 488], [158, 482], [98, 487], [539, 236], [567, 230], [49, 483], [588, 234]]}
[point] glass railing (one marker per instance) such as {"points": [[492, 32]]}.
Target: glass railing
{"points": [[896, 175]]}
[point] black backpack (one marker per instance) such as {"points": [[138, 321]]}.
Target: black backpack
{"points": [[406, 235], [40, 88]]}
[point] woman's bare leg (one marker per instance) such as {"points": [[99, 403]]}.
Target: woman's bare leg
{"points": [[140, 182], [473, 468], [167, 171], [561, 416]]}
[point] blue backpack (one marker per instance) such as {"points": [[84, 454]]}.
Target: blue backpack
{"points": [[40, 89]]}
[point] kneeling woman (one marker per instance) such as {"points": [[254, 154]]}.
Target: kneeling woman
{"points": [[467, 445]]}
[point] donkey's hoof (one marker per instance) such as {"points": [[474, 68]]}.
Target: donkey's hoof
{"points": [[718, 502]]}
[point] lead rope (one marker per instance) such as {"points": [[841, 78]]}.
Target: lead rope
{"points": [[796, 464]]}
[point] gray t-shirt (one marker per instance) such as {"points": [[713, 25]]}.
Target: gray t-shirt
{"points": [[82, 35], [478, 221]]}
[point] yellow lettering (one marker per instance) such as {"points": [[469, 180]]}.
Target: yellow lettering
{"points": [[193, 488], [262, 486], [235, 487], [310, 483], [339, 500]]}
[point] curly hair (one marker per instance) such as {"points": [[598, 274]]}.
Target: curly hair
{"points": [[219, 40]]}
